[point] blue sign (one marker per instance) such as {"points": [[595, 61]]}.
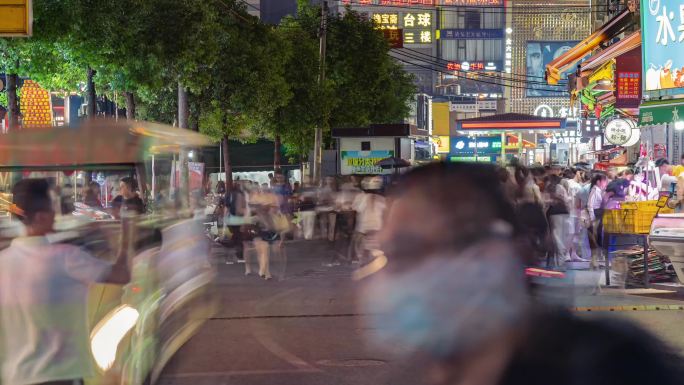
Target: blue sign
{"points": [[662, 42], [450, 34], [465, 145]]}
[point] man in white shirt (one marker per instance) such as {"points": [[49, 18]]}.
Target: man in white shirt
{"points": [[43, 296]]}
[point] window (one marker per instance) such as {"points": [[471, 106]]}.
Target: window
{"points": [[365, 146], [472, 19], [493, 18]]}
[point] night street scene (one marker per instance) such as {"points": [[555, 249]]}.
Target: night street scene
{"points": [[341, 192]]}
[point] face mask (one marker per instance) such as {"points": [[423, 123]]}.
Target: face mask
{"points": [[449, 304]]}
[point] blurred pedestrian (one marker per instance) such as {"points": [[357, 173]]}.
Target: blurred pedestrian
{"points": [[44, 294], [559, 217], [128, 198], [458, 305], [530, 209], [327, 216], [92, 195], [370, 208], [595, 208]]}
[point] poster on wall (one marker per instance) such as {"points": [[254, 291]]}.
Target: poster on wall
{"points": [[539, 54], [363, 162], [662, 39]]}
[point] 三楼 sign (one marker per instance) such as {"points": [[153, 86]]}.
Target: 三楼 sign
{"points": [[363, 162], [662, 41], [16, 18]]}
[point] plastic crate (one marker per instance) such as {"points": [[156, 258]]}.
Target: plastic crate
{"points": [[632, 218]]}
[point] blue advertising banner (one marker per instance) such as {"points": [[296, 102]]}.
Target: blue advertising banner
{"points": [[662, 41], [539, 54], [482, 145], [450, 34]]}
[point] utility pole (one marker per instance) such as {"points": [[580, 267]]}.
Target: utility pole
{"points": [[318, 139]]}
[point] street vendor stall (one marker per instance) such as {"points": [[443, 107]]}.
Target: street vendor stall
{"points": [[633, 219]]}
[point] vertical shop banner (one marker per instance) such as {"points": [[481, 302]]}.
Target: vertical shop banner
{"points": [[662, 41], [628, 79], [539, 54], [363, 162], [195, 175]]}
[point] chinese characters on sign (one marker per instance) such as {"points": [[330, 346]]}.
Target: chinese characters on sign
{"points": [[474, 3], [417, 27], [450, 34], [662, 41], [628, 84], [472, 66], [471, 3], [386, 20], [394, 37]]}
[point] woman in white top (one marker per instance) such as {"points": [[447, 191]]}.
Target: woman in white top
{"points": [[595, 207]]}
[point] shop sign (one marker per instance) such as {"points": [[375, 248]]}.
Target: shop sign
{"points": [[363, 162], [394, 37], [475, 66], [546, 111], [35, 105], [474, 3], [482, 145], [628, 79], [619, 131], [16, 18], [417, 27], [432, 3], [195, 175], [451, 34], [662, 39], [386, 20], [508, 62], [661, 113]]}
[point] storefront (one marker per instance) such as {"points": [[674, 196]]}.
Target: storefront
{"points": [[501, 138], [359, 149]]}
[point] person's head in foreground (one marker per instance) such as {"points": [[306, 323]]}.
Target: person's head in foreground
{"points": [[448, 294], [33, 206]]}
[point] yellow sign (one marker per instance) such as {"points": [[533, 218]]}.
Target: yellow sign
{"points": [[386, 20], [440, 116], [16, 18], [442, 144]]}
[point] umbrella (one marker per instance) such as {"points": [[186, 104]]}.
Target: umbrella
{"points": [[393, 162], [93, 142]]}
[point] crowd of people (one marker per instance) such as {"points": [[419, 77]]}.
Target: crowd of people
{"points": [[562, 208], [257, 218]]}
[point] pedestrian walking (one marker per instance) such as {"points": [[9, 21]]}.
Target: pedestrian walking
{"points": [[595, 208], [559, 217], [370, 207], [44, 293]]}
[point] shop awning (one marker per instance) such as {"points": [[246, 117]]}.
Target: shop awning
{"points": [[561, 64], [509, 122], [661, 112], [623, 46]]}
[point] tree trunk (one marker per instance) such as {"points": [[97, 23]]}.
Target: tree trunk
{"points": [[12, 102], [226, 163], [130, 106], [183, 156], [276, 153], [91, 108]]}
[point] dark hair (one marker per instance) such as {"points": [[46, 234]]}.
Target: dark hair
{"points": [[629, 171], [130, 182], [459, 190], [31, 196], [569, 173], [661, 162], [551, 182], [597, 177]]}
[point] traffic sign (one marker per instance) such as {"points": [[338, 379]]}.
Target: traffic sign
{"points": [[16, 18]]}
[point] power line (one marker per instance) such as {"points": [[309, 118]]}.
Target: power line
{"points": [[484, 74], [483, 10], [475, 80], [497, 72]]}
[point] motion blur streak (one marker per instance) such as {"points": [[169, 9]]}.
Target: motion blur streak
{"points": [[105, 339]]}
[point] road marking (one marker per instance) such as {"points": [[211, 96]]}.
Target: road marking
{"points": [[283, 354], [664, 307]]}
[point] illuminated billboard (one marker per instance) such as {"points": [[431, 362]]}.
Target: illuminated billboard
{"points": [[539, 54], [662, 41]]}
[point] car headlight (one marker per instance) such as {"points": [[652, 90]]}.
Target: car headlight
{"points": [[105, 339]]}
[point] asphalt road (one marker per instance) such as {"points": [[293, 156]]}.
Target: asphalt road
{"points": [[304, 328]]}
